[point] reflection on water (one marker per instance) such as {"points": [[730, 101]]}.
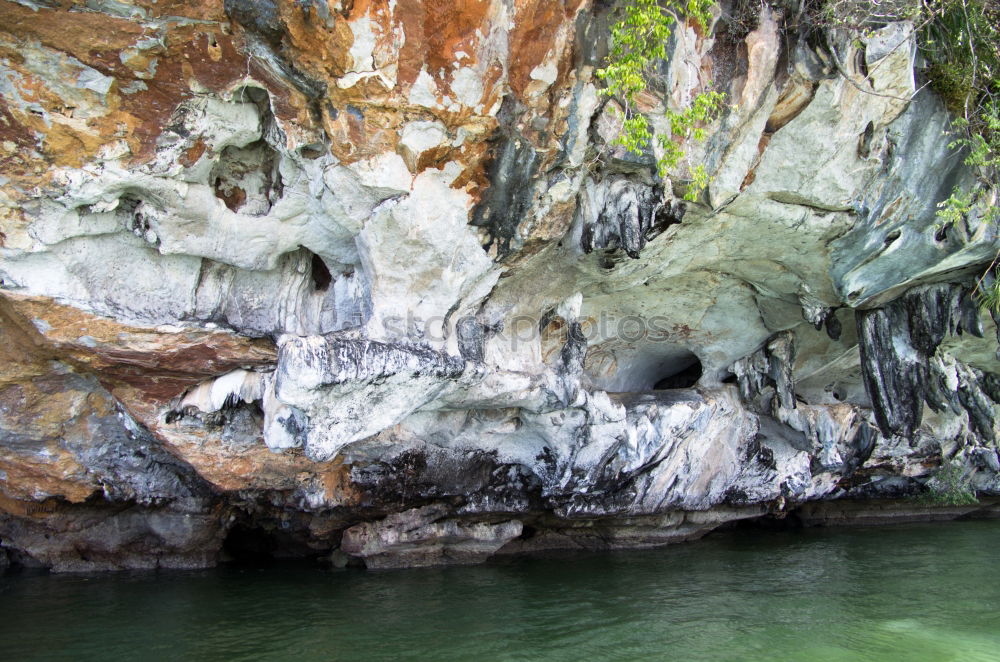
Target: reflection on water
{"points": [[915, 593]]}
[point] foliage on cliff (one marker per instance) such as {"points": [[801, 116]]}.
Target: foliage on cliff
{"points": [[949, 486], [639, 41], [960, 39], [959, 42]]}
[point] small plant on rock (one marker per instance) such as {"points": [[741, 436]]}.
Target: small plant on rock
{"points": [[950, 486]]}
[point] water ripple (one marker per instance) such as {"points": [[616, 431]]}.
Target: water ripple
{"points": [[920, 593]]}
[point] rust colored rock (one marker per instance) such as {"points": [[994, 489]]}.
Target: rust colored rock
{"points": [[159, 363]]}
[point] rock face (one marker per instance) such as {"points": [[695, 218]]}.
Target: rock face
{"points": [[423, 537], [372, 278]]}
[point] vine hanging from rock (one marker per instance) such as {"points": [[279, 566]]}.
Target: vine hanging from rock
{"points": [[639, 41]]}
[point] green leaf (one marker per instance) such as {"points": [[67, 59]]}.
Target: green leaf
{"points": [[638, 41]]}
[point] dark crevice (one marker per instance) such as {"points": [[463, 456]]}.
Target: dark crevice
{"points": [[511, 172], [781, 521], [261, 537], [865, 143], [245, 544], [685, 377], [891, 238], [321, 276], [313, 151], [527, 532], [833, 326], [861, 64], [247, 178]]}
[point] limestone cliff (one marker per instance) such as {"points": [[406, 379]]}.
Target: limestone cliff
{"points": [[369, 278]]}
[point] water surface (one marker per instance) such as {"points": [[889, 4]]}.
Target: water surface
{"points": [[907, 593]]}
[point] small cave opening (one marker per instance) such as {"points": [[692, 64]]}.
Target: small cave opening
{"points": [[235, 419], [321, 276], [891, 238], [129, 210], [258, 539], [773, 522], [135, 214], [681, 374], [865, 141], [312, 151], [643, 368], [249, 545], [247, 178]]}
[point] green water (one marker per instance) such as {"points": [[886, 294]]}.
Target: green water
{"points": [[921, 592]]}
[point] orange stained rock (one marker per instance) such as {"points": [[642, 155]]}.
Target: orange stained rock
{"points": [[251, 466], [160, 363]]}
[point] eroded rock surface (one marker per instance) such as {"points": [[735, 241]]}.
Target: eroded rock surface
{"points": [[426, 536], [372, 279]]}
